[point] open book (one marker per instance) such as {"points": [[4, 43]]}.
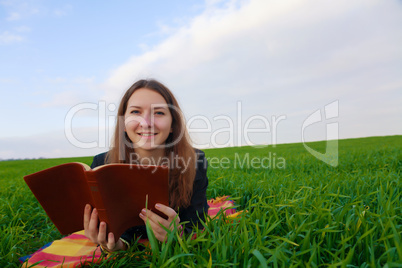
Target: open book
{"points": [[117, 191]]}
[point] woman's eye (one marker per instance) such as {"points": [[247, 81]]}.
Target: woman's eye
{"points": [[159, 113], [134, 112]]}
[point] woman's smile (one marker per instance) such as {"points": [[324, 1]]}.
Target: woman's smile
{"points": [[147, 134]]}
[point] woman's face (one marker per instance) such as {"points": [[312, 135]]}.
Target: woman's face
{"points": [[148, 121]]}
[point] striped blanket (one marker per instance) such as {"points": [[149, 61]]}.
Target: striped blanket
{"points": [[75, 250]]}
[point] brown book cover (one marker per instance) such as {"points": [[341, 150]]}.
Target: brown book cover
{"points": [[117, 191]]}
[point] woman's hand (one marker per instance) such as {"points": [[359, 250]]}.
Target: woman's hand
{"points": [[98, 235], [154, 220]]}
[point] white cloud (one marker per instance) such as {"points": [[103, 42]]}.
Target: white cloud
{"points": [[20, 10], [274, 34], [71, 91], [22, 29], [62, 11], [7, 38], [8, 80], [278, 57], [13, 16], [56, 80], [64, 98]]}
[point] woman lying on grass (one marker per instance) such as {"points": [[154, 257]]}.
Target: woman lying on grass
{"points": [[150, 127]]}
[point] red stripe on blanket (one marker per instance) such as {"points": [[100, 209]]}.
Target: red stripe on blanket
{"points": [[52, 260]]}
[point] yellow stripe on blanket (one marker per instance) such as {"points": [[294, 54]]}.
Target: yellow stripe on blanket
{"points": [[70, 247]]}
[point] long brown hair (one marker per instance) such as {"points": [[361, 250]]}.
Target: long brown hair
{"points": [[178, 147]]}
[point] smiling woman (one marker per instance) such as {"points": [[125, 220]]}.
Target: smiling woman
{"points": [[148, 122], [150, 128]]}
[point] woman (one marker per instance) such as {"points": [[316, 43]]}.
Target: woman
{"points": [[151, 129]]}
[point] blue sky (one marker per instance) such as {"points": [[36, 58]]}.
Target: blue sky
{"points": [[260, 59]]}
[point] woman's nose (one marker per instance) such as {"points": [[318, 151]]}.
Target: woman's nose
{"points": [[146, 121]]}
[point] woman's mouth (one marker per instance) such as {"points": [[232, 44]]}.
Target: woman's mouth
{"points": [[147, 134]]}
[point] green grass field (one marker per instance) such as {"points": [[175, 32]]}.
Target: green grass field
{"points": [[301, 212]]}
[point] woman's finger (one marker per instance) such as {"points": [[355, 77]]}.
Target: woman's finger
{"points": [[93, 225], [170, 212], [106, 241], [87, 216], [111, 242], [154, 217], [102, 234], [158, 231]]}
